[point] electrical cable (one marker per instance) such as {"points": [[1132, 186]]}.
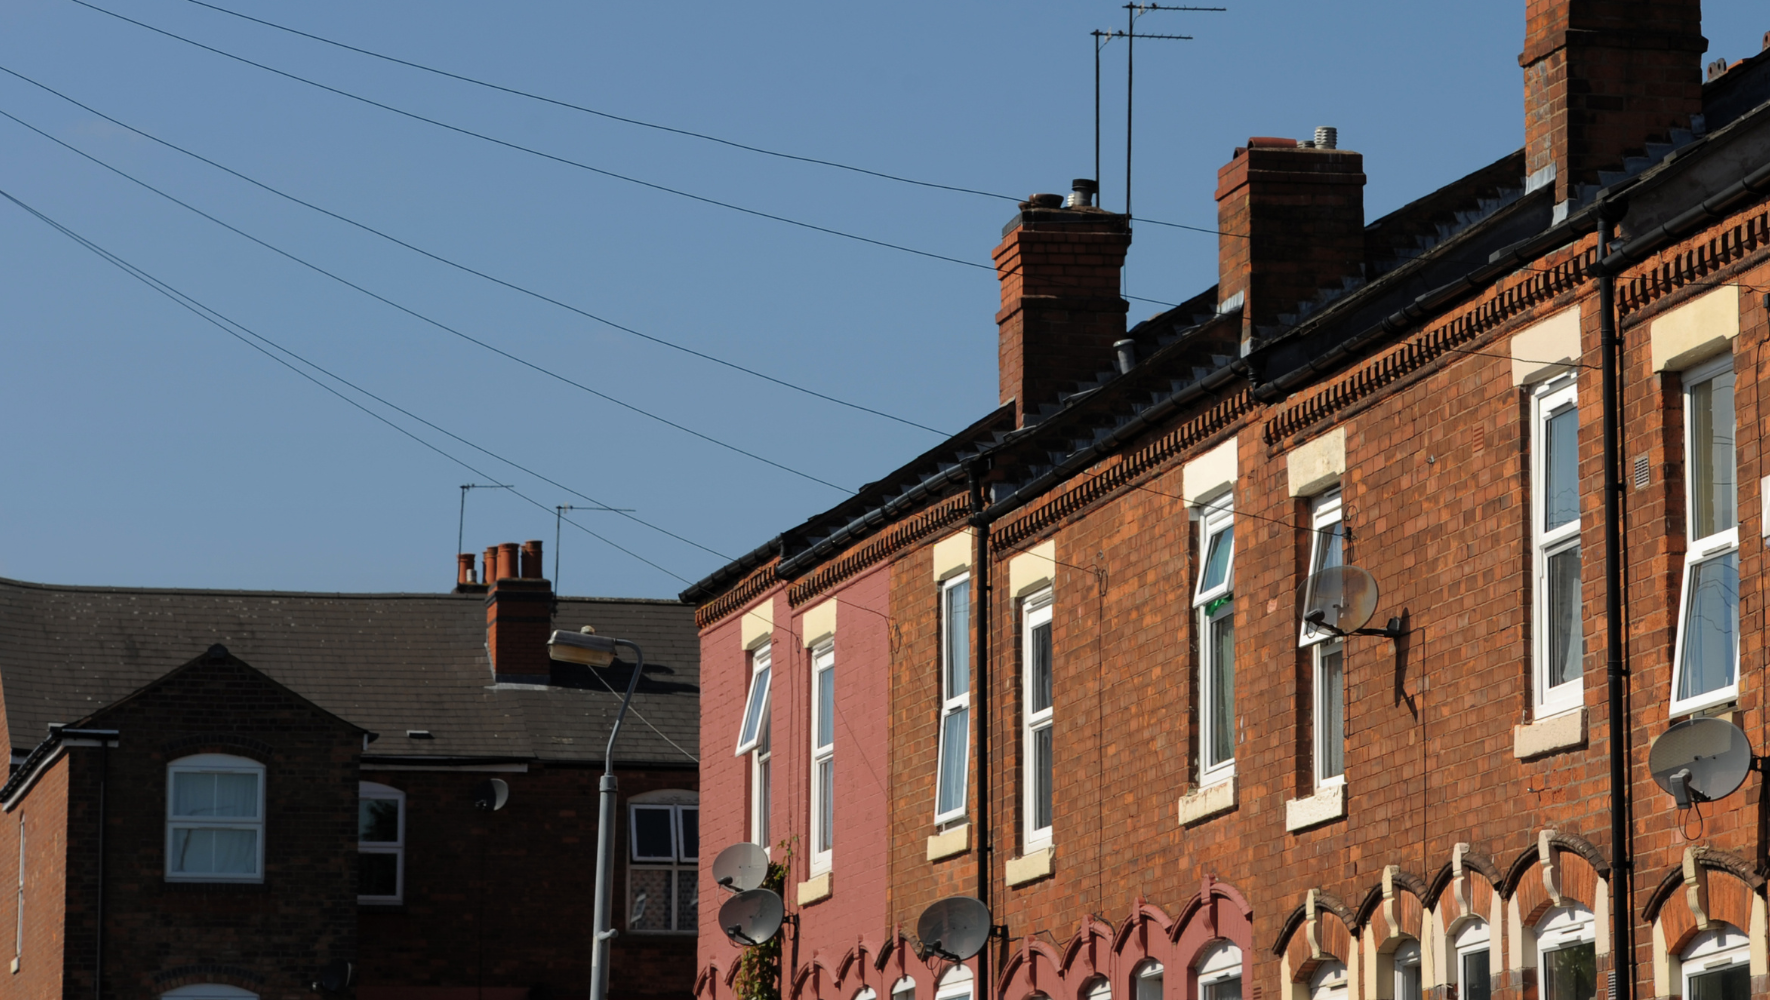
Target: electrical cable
{"points": [[435, 322], [603, 114], [433, 256], [223, 323]]}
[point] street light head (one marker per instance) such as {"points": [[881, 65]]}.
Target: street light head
{"points": [[584, 647]]}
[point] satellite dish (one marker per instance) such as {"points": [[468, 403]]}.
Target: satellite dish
{"points": [[335, 977], [1337, 600], [752, 916], [740, 867], [491, 795], [955, 928], [1700, 760]]}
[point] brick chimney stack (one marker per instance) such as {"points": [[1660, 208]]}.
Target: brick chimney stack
{"points": [[1292, 224], [519, 614], [1601, 79], [1060, 269]]}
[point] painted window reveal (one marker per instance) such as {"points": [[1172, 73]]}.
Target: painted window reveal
{"points": [[1706, 663], [1567, 959], [1147, 981], [1406, 963], [380, 843], [1326, 651], [664, 837], [955, 699], [1473, 970], [215, 819], [823, 757], [1560, 643], [1717, 965], [1219, 973], [1039, 765], [1329, 982], [1215, 604]]}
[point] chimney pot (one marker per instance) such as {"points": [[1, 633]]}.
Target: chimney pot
{"points": [[1044, 201], [531, 560], [1082, 192], [491, 566], [1127, 354], [508, 556], [1327, 137], [464, 569]]}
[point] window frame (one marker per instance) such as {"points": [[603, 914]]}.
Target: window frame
{"points": [[956, 984], [953, 701], [684, 867], [1407, 955], [755, 715], [762, 786], [1578, 926], [1036, 610], [1716, 959], [1218, 518], [377, 791], [1475, 936], [821, 834], [1326, 512], [215, 763], [1705, 549], [1324, 983], [1547, 402], [1147, 971], [1207, 972]]}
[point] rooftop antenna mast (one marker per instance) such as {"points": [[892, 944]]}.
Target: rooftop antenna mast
{"points": [[1132, 12], [461, 526], [558, 519]]}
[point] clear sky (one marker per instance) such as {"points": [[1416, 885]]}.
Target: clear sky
{"points": [[145, 447]]}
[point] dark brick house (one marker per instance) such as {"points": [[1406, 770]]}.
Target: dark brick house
{"points": [[1061, 662], [233, 794]]}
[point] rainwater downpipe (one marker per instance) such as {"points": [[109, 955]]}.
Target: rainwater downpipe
{"points": [[1621, 868], [980, 626]]}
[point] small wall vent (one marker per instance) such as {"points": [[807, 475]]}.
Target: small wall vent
{"points": [[1641, 477]]}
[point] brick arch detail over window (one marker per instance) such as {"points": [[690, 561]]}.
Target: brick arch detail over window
{"points": [[1560, 869], [1035, 968], [811, 979], [1218, 913], [1710, 887], [1145, 935], [1317, 932]]}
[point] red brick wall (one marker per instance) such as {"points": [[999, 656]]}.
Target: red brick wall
{"points": [[44, 817]]}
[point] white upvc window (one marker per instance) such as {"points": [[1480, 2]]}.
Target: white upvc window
{"points": [[1473, 972], [1219, 973], [761, 786], [1147, 981], [955, 985], [1717, 965], [380, 843], [1567, 959], [1559, 632], [1406, 963], [823, 756], [214, 819], [18, 944], [1035, 728], [955, 699], [1326, 652], [663, 862], [1329, 982], [756, 705], [1705, 667], [1215, 603]]}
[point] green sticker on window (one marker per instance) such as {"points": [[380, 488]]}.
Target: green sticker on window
{"points": [[1211, 608]]}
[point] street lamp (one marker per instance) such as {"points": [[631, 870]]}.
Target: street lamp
{"points": [[592, 650]]}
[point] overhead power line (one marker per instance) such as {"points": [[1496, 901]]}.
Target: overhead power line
{"points": [[436, 256], [603, 114], [227, 326], [415, 314]]}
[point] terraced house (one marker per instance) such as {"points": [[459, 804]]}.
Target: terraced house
{"points": [[1064, 662]]}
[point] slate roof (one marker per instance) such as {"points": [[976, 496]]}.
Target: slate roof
{"points": [[386, 662]]}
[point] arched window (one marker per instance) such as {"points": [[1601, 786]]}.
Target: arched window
{"points": [[1146, 982], [1717, 965], [1474, 968], [1407, 971], [1567, 959], [1097, 988], [214, 819], [381, 843], [904, 989], [955, 985], [866, 993], [1329, 982], [663, 850], [1219, 972], [208, 991]]}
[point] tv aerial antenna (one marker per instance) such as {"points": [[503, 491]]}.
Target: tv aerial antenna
{"points": [[461, 525], [558, 518], [1130, 35], [1339, 601]]}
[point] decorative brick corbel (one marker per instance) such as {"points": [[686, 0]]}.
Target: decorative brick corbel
{"points": [[1696, 889], [1459, 882], [1312, 927], [1545, 854], [1389, 873]]}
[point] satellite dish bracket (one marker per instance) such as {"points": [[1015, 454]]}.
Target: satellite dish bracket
{"points": [[1393, 630]]}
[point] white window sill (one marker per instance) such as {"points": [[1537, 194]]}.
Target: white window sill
{"points": [[1203, 803], [1328, 803], [815, 888], [1551, 735], [950, 843], [1030, 867]]}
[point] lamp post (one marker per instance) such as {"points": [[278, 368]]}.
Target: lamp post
{"points": [[590, 649]]}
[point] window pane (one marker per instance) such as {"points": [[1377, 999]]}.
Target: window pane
{"points": [[1217, 553], [955, 737], [1333, 547], [826, 784], [212, 793], [958, 639], [691, 832], [1731, 983], [1570, 973], [1561, 469], [651, 899], [1333, 711], [377, 821], [687, 900], [758, 706], [1475, 985], [1567, 638], [1149, 985], [762, 802], [1221, 695], [1408, 985], [377, 874], [826, 706], [651, 833], [215, 852], [1039, 662], [1224, 989], [1711, 626], [1041, 778], [1712, 492]]}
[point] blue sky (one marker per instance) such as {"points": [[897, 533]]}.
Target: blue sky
{"points": [[145, 447]]}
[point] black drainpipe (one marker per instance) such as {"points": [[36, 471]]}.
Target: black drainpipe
{"points": [[1610, 346], [980, 622]]}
